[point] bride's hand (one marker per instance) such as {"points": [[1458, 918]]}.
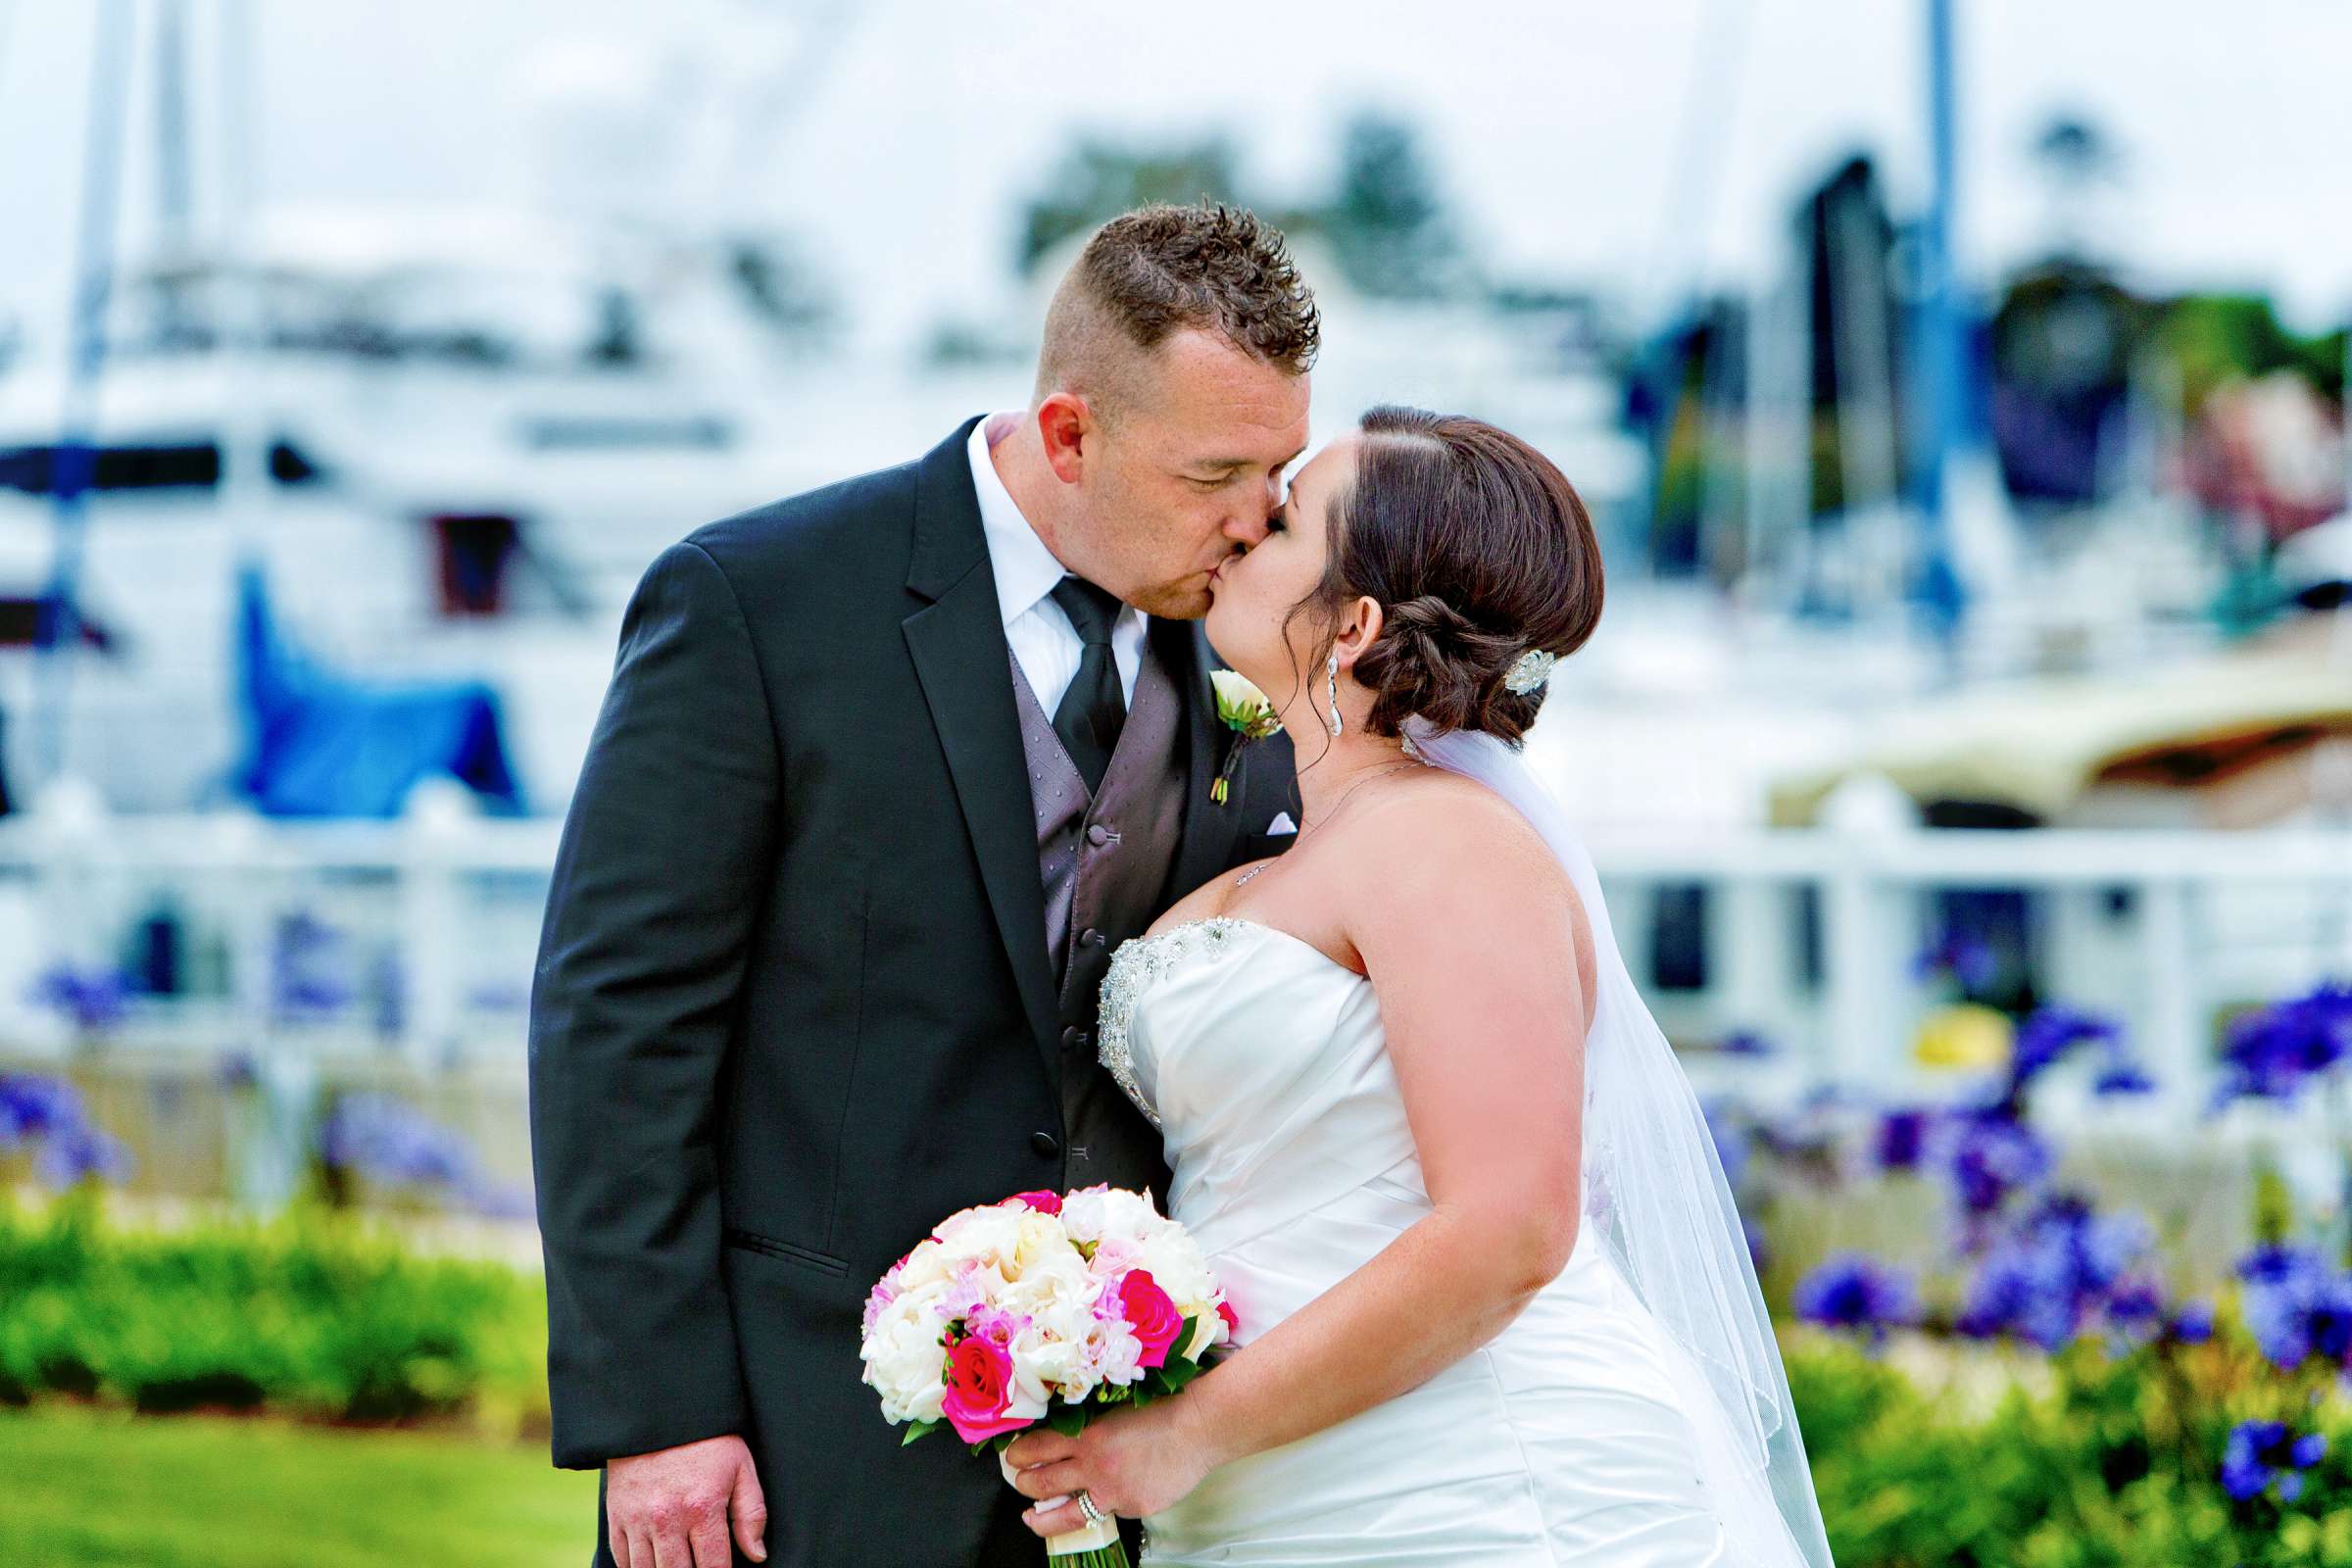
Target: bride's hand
{"points": [[1132, 1463]]}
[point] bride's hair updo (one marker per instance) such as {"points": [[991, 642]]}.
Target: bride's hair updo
{"points": [[1478, 549]]}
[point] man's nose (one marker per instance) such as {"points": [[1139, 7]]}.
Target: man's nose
{"points": [[1248, 529]]}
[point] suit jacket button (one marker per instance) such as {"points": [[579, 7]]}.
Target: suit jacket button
{"points": [[1074, 1038], [1097, 835], [1090, 938], [1046, 1144]]}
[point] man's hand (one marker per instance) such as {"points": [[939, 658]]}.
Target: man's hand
{"points": [[671, 1509]]}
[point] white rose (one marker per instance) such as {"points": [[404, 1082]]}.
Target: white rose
{"points": [[1041, 1242], [906, 1356], [1055, 1273], [1175, 1262], [1046, 1358], [1090, 1216], [985, 1235], [925, 1265]]}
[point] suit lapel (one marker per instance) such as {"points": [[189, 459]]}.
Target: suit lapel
{"points": [[1210, 831], [957, 644]]}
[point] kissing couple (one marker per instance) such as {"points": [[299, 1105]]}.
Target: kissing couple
{"points": [[913, 865]]}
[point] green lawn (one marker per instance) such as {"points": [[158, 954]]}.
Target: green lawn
{"points": [[82, 1485]]}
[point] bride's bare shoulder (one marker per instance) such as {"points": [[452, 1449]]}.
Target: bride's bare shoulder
{"points": [[1441, 814], [1450, 845]]}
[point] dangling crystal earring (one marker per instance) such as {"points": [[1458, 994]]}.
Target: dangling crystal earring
{"points": [[1330, 684]]}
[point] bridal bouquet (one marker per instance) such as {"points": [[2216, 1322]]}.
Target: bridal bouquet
{"points": [[1042, 1308]]}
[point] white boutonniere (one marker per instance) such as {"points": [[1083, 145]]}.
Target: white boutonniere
{"points": [[1244, 711]]}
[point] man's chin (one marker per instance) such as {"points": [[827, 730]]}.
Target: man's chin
{"points": [[1175, 602]]}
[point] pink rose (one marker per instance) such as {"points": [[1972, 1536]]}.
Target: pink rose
{"points": [[1151, 1317], [1233, 1325], [1044, 1202], [979, 1386]]}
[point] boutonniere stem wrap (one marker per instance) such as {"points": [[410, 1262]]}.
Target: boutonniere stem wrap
{"points": [[1244, 711]]}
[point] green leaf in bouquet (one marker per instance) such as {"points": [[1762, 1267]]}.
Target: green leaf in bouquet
{"points": [[1067, 1419], [919, 1429], [1176, 1374]]}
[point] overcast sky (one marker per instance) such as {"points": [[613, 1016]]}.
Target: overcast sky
{"points": [[1630, 147]]}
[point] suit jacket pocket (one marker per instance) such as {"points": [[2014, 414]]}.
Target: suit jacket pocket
{"points": [[789, 1251], [1257, 845]]}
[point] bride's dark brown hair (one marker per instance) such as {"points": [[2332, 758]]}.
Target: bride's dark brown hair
{"points": [[1478, 549]]}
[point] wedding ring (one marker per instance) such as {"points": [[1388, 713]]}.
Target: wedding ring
{"points": [[1085, 1506]]}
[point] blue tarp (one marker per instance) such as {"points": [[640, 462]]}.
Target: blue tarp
{"points": [[319, 744]]}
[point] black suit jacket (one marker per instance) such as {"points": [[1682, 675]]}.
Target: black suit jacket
{"points": [[792, 1002]]}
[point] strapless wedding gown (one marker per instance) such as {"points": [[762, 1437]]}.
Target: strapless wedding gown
{"points": [[1567, 1439]]}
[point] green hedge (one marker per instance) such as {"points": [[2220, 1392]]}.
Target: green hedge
{"points": [[314, 1314], [2100, 1461], [2113, 1462]]}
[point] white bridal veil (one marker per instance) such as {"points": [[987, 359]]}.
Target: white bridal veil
{"points": [[1654, 1194]]}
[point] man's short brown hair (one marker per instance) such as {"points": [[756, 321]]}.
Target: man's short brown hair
{"points": [[1160, 269]]}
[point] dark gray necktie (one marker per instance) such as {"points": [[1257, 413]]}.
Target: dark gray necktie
{"points": [[1092, 710]]}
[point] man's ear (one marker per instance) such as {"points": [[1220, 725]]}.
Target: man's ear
{"points": [[1064, 424]]}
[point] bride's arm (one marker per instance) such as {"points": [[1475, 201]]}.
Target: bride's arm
{"points": [[1471, 940]]}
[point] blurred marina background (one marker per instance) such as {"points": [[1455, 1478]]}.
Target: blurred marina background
{"points": [[1960, 388]]}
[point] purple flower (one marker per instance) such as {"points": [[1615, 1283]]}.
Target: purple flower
{"points": [[2122, 1076], [2279, 1262], [94, 1000], [880, 1296], [2007, 1298], [2062, 1266], [2273, 1052], [1992, 1155], [32, 1106], [79, 1153], [2298, 1309], [2050, 1034], [1968, 957], [390, 1142], [1902, 1140], [1853, 1291], [48, 1111], [1731, 1144], [2260, 1454], [2136, 1307], [2192, 1324]]}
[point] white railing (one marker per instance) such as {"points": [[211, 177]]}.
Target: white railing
{"points": [[428, 926]]}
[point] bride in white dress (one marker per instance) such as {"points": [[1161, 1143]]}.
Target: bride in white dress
{"points": [[1495, 1304]]}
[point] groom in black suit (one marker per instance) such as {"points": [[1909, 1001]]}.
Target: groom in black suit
{"points": [[885, 773]]}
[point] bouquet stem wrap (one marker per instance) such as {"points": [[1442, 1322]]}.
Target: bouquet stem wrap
{"points": [[1094, 1545]]}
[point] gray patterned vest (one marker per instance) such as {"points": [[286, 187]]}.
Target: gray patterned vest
{"points": [[1105, 863]]}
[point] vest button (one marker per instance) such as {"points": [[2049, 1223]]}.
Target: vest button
{"points": [[1074, 1037], [1097, 835], [1045, 1144]]}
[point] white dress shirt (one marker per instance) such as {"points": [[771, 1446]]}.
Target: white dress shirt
{"points": [[1026, 572]]}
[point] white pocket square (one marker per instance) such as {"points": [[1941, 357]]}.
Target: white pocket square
{"points": [[1281, 824]]}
